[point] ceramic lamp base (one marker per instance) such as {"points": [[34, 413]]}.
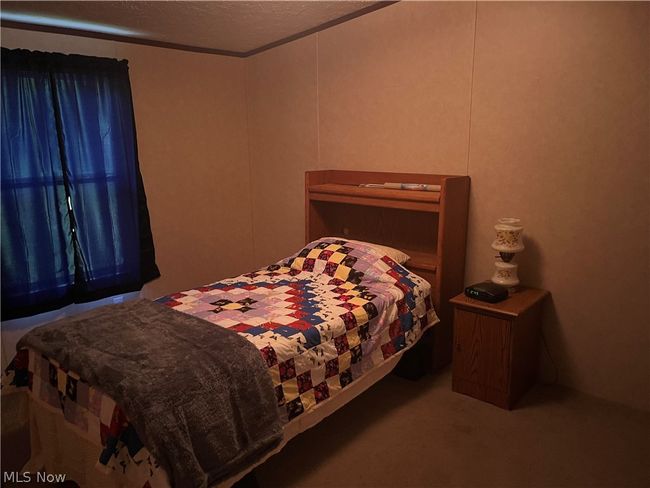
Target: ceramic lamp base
{"points": [[505, 274]]}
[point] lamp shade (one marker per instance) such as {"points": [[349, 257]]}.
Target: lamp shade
{"points": [[509, 236]]}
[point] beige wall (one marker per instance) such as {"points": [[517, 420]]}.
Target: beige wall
{"points": [[283, 142], [545, 106], [191, 122], [394, 89], [560, 118]]}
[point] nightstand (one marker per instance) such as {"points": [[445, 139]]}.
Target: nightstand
{"points": [[496, 346]]}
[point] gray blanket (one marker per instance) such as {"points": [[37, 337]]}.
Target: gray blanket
{"points": [[199, 396]]}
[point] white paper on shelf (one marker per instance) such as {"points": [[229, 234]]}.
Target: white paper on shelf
{"points": [[412, 186]]}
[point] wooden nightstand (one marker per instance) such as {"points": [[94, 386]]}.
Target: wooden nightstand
{"points": [[496, 346]]}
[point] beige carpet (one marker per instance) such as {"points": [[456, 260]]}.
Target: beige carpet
{"points": [[401, 433]]}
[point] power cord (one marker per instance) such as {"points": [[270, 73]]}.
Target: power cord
{"points": [[548, 353]]}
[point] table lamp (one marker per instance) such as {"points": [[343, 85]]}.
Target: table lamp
{"points": [[508, 242]]}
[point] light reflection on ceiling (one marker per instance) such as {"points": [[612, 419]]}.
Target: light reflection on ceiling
{"points": [[67, 23]]}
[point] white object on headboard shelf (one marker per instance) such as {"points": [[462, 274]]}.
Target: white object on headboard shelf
{"points": [[402, 186]]}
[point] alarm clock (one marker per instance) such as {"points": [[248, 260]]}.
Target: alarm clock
{"points": [[487, 291]]}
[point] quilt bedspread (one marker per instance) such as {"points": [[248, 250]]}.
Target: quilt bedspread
{"points": [[320, 319]]}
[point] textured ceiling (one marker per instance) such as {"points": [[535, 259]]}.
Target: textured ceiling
{"points": [[230, 26]]}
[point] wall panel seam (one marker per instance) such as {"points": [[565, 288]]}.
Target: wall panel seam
{"points": [[251, 187], [318, 165], [471, 90]]}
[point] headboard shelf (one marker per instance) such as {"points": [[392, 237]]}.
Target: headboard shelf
{"points": [[421, 260], [431, 227], [424, 201]]}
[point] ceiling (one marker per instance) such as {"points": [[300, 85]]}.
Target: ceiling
{"points": [[223, 27]]}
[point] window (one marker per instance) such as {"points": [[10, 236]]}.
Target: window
{"points": [[75, 224]]}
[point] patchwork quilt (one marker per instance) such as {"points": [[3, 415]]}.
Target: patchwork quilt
{"points": [[321, 319]]}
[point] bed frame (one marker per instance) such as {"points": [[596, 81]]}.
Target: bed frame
{"points": [[431, 227]]}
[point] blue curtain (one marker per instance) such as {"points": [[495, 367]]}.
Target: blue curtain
{"points": [[75, 224]]}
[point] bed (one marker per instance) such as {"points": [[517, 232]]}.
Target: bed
{"points": [[328, 322]]}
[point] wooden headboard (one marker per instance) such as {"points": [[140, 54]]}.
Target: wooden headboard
{"points": [[431, 227]]}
